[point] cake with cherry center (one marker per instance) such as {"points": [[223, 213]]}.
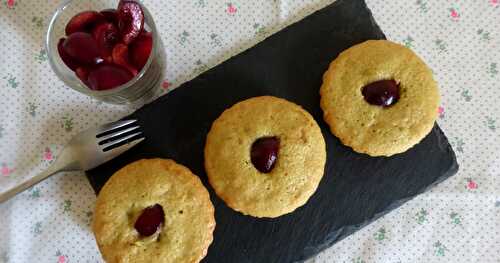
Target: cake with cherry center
{"points": [[379, 98], [153, 211], [265, 156]]}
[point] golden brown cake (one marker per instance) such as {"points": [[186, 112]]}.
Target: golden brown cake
{"points": [[142, 192], [379, 98], [265, 156]]}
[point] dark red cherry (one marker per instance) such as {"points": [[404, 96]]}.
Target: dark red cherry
{"points": [[264, 153], [384, 93], [83, 22], [105, 77], [111, 15], [121, 57], [83, 48], [140, 49], [67, 59], [130, 20], [106, 35], [83, 74], [150, 220]]}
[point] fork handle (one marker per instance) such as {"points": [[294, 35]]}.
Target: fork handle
{"points": [[53, 169]]}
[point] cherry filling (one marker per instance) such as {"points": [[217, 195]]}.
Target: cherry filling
{"points": [[150, 220], [264, 153], [384, 93]]}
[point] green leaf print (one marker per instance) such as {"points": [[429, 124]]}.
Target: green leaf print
{"points": [[260, 30], [41, 56], [66, 206], [490, 123], [67, 123], [493, 70], [200, 3], [380, 234], [440, 249], [358, 260], [37, 22], [484, 35], [215, 40], [408, 42], [456, 219], [458, 144], [183, 38], [200, 67], [1, 131], [34, 193], [464, 93], [11, 81], [441, 45], [422, 6], [421, 216], [37, 228], [31, 109]]}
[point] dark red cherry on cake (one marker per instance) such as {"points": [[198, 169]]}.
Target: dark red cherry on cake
{"points": [[384, 93], [264, 153], [150, 220]]}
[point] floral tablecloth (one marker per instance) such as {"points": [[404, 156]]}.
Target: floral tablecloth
{"points": [[458, 221]]}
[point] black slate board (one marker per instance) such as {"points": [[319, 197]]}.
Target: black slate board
{"points": [[355, 190]]}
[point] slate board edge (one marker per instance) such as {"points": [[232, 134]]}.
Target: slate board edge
{"points": [[349, 230]]}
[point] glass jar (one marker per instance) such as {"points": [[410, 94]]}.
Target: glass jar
{"points": [[141, 89]]}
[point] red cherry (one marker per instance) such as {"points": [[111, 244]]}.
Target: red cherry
{"points": [[130, 20], [121, 57], [83, 22], [106, 35], [140, 49], [105, 77], [65, 57], [83, 74], [111, 15], [83, 48], [150, 220], [264, 153], [383, 93]]}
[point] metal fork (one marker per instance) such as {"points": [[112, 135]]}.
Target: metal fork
{"points": [[88, 150]]}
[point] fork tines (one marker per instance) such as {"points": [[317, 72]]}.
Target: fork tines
{"points": [[119, 133]]}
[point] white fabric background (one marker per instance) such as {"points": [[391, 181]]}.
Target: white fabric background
{"points": [[458, 221]]}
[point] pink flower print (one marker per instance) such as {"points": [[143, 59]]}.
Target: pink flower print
{"points": [[454, 14], [471, 185], [5, 170], [441, 112], [47, 155], [61, 258], [231, 9], [166, 85], [494, 2], [11, 3]]}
